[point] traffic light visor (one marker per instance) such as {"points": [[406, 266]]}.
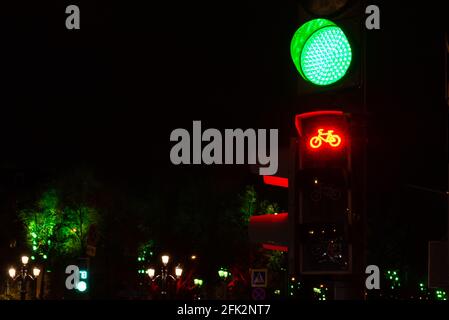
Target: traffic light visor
{"points": [[321, 52]]}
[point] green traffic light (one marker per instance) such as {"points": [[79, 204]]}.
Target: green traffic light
{"points": [[83, 274], [321, 52], [82, 286]]}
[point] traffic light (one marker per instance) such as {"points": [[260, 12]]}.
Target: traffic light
{"points": [[326, 51], [323, 139], [82, 284], [322, 192], [83, 287], [327, 190], [321, 52]]}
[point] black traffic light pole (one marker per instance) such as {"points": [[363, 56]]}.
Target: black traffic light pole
{"points": [[363, 259], [446, 97], [292, 210]]}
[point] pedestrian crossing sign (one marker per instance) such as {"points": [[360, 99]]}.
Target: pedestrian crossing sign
{"points": [[259, 278]]}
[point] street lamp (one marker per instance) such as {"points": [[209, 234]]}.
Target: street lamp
{"points": [[224, 274], [24, 275], [12, 272], [178, 272], [36, 272], [151, 272], [164, 276]]}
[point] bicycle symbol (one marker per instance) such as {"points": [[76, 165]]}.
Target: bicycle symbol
{"points": [[333, 140], [327, 191]]}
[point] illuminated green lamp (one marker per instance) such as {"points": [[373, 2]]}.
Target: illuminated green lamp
{"points": [[321, 52], [82, 286], [198, 282]]}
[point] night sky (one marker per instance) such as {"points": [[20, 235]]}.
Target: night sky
{"points": [[107, 97]]}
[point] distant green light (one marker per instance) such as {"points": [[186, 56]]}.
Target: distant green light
{"points": [[44, 256], [82, 286], [321, 52], [33, 258], [198, 282], [83, 274], [34, 248]]}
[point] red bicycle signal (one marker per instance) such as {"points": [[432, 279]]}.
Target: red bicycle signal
{"points": [[328, 137]]}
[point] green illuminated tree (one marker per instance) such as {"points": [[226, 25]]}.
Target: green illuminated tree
{"points": [[248, 201], [74, 228], [267, 207], [52, 228], [41, 224], [145, 251]]}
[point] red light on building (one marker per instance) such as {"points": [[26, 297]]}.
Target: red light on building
{"points": [[276, 181], [268, 246], [269, 229]]}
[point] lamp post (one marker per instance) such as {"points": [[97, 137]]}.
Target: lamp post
{"points": [[24, 275], [164, 275], [224, 274]]}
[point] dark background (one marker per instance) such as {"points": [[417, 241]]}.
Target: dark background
{"points": [[108, 96]]}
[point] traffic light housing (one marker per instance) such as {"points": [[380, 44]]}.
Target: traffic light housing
{"points": [[321, 52], [323, 139], [326, 50], [83, 288], [322, 192]]}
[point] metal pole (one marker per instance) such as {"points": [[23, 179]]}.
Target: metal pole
{"points": [[23, 288], [446, 91], [164, 281], [365, 160]]}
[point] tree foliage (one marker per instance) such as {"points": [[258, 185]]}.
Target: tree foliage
{"points": [[248, 201], [41, 223], [55, 228]]}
